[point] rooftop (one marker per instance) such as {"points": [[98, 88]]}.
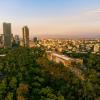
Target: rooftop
{"points": [[62, 56]]}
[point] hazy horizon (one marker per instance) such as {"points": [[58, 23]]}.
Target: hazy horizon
{"points": [[62, 18]]}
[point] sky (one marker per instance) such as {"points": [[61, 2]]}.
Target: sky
{"points": [[62, 18]]}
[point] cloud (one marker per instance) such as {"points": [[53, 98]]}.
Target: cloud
{"points": [[92, 12], [95, 11]]}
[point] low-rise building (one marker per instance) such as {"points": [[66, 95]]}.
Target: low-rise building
{"points": [[65, 60]]}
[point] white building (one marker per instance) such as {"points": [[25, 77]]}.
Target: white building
{"points": [[96, 48]]}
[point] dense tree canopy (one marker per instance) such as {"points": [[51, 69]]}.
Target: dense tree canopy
{"points": [[27, 74]]}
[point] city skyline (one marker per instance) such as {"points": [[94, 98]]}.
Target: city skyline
{"points": [[53, 17]]}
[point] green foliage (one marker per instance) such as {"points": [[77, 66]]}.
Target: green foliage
{"points": [[29, 75], [47, 94], [9, 96]]}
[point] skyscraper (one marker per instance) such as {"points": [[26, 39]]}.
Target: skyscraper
{"points": [[1, 41], [25, 30], [7, 35]]}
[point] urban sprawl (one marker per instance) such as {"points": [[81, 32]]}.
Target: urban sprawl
{"points": [[7, 40]]}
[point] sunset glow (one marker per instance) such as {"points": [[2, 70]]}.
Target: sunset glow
{"points": [[52, 17]]}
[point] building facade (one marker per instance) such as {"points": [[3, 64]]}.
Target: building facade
{"points": [[25, 31], [1, 41], [65, 60], [96, 48], [7, 35], [17, 40]]}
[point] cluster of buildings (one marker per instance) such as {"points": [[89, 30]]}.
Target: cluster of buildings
{"points": [[54, 47], [68, 62], [7, 40], [65, 60], [72, 45]]}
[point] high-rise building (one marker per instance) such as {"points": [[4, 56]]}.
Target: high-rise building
{"points": [[17, 40], [25, 30], [1, 41], [7, 35]]}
